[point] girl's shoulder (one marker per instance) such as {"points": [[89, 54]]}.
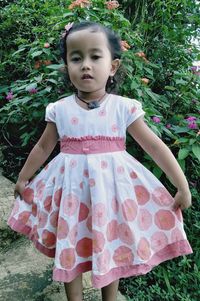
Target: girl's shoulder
{"points": [[60, 103], [124, 101], [63, 100], [54, 108]]}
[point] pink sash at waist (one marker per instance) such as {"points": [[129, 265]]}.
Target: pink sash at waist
{"points": [[91, 145]]}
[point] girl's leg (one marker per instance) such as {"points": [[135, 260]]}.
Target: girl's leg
{"points": [[74, 289], [109, 292]]}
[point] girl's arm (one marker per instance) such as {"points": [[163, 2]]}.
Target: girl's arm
{"points": [[37, 156], [164, 158]]}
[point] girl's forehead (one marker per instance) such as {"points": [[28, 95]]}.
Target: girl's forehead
{"points": [[87, 36]]}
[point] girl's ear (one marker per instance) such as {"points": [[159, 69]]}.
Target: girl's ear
{"points": [[114, 66]]}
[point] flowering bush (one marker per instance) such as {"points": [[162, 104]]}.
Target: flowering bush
{"points": [[155, 72]]}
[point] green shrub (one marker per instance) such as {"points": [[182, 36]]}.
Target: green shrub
{"points": [[156, 72]]}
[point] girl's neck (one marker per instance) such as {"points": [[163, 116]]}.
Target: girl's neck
{"points": [[91, 96]]}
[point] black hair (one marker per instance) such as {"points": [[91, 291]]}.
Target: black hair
{"points": [[113, 43]]}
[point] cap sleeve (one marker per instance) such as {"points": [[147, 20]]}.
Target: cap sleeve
{"points": [[50, 114], [134, 111]]}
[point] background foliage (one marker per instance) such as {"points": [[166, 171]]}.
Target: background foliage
{"points": [[156, 72]]}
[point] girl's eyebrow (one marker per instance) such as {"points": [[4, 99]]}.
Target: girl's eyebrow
{"points": [[91, 50]]}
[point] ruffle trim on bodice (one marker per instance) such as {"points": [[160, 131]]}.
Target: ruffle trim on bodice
{"points": [[86, 138]]}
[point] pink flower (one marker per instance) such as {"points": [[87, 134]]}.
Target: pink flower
{"points": [[79, 3], [112, 4], [192, 125], [125, 46], [33, 91], [156, 119], [46, 45], [9, 96], [168, 126], [191, 118]]}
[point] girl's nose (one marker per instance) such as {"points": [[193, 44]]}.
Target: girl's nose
{"points": [[86, 65]]}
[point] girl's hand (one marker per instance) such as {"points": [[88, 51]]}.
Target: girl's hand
{"points": [[183, 199], [19, 188]]}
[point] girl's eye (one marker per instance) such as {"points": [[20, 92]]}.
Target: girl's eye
{"points": [[96, 57], [75, 59]]}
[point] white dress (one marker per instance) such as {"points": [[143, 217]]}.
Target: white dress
{"points": [[95, 207]]}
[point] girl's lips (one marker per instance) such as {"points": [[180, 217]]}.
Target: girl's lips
{"points": [[86, 76]]}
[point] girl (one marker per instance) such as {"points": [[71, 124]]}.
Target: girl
{"points": [[94, 207]]}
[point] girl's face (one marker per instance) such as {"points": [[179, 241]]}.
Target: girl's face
{"points": [[89, 62]]}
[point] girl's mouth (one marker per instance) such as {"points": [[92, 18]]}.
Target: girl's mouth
{"points": [[86, 76]]}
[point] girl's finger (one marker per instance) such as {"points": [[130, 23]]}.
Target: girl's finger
{"points": [[17, 194]]}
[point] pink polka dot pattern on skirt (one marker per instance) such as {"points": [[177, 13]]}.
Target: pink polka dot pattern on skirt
{"points": [[142, 194], [67, 258], [129, 209]]}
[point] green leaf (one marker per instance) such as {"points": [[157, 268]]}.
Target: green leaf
{"points": [[55, 66], [170, 88], [180, 81], [169, 133], [18, 51], [182, 164], [31, 86], [183, 140], [134, 85], [52, 81], [181, 129], [157, 172], [48, 89], [153, 95], [183, 153], [37, 53], [191, 141], [196, 150], [67, 15]]}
